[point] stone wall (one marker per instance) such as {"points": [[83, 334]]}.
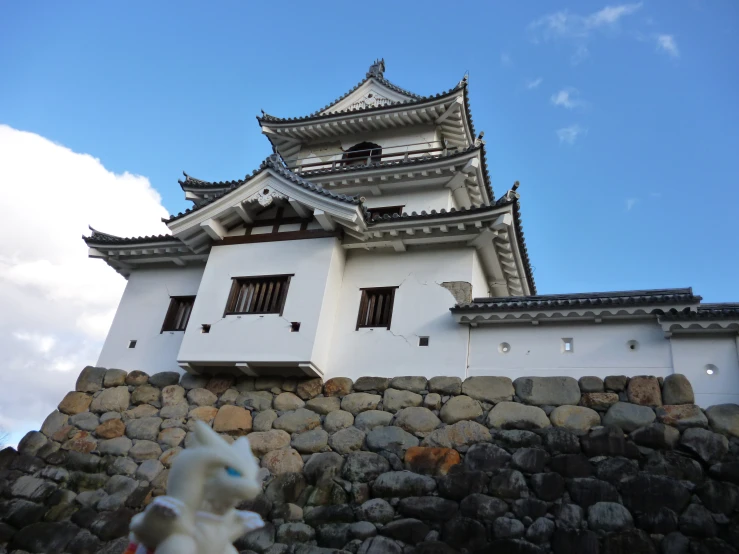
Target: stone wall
{"points": [[401, 465]]}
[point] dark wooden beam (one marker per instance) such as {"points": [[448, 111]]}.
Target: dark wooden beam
{"points": [[276, 237]]}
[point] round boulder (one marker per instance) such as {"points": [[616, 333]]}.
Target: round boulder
{"points": [[577, 419], [512, 415], [459, 408]]}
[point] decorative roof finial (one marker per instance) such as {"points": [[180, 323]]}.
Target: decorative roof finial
{"points": [[377, 69], [478, 140], [516, 185]]}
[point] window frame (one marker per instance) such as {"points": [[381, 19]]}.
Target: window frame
{"points": [[237, 282], [363, 307], [171, 310]]}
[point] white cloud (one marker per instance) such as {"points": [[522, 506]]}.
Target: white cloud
{"points": [[505, 59], [533, 83], [564, 24], [568, 135], [667, 43], [567, 98], [57, 304], [630, 203]]}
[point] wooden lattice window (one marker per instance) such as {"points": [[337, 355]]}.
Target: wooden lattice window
{"points": [[385, 210], [258, 295], [376, 307], [178, 313]]}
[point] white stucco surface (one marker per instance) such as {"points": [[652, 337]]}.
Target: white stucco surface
{"points": [[413, 201], [261, 338], [140, 316], [692, 355]]}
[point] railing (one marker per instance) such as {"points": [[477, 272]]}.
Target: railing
{"points": [[370, 156]]}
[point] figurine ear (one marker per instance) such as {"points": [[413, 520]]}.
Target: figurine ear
{"points": [[242, 445], [206, 436]]}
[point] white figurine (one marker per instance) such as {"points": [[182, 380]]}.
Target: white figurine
{"points": [[198, 515]]}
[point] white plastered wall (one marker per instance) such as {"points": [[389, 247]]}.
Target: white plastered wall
{"points": [[262, 338], [480, 287], [140, 316], [692, 354], [598, 349], [413, 201], [421, 308]]}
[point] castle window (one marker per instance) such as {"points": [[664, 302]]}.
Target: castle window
{"points": [[362, 153], [377, 213], [178, 313], [264, 294], [376, 307]]}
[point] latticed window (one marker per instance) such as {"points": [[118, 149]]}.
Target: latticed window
{"points": [[178, 313], [258, 295], [376, 307]]}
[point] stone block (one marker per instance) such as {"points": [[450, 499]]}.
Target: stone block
{"points": [[458, 435], [309, 388], [378, 384], [676, 389], [323, 404], [114, 399], [114, 378], [547, 391], [338, 420], [233, 419], [287, 401], [459, 408], [683, 416], [90, 379], [445, 385], [724, 419], [75, 403], [628, 416], [577, 419], [286, 460], [201, 397], [616, 383], [267, 441], [359, 402], [488, 389], [164, 379], [297, 421], [417, 420], [599, 400], [512, 415], [338, 386], [347, 440], [644, 391], [394, 400], [413, 384], [590, 384], [310, 441]]}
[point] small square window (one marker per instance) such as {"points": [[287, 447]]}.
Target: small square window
{"points": [[568, 346], [205, 328], [178, 313], [423, 341], [376, 307], [294, 326], [132, 344]]}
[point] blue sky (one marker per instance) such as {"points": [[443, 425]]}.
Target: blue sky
{"points": [[621, 121]]}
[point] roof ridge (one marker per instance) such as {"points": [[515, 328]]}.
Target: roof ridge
{"points": [[577, 295]]}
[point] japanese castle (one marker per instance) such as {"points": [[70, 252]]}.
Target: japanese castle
{"points": [[371, 243]]}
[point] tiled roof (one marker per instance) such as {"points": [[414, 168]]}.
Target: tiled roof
{"points": [[707, 312], [193, 183], [582, 300], [98, 237], [275, 163]]}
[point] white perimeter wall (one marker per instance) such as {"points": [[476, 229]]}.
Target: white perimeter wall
{"points": [[421, 308], [691, 355], [260, 338], [140, 316], [599, 349]]}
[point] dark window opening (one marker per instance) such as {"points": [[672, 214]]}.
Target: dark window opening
{"points": [[423, 341], [377, 213], [205, 328], [362, 153], [376, 307], [294, 326], [178, 313], [258, 295], [132, 344]]}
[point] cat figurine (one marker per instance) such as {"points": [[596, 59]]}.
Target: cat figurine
{"points": [[198, 514]]}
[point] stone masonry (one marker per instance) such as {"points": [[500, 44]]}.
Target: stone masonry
{"points": [[404, 465]]}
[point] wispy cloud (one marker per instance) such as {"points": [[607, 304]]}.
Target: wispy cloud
{"points": [[567, 98], [568, 135], [533, 83], [630, 203], [563, 24], [505, 59], [667, 43]]}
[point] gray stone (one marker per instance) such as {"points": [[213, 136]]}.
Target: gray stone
{"points": [[310, 441], [644, 390], [458, 435], [486, 457], [174, 410], [31, 443], [263, 420], [628, 416], [697, 521], [54, 422], [460, 408], [551, 391], [268, 383], [724, 419], [146, 394], [287, 401], [590, 384], [488, 389], [260, 539], [309, 388], [508, 483], [201, 397], [445, 385], [335, 421], [675, 543], [710, 447], [121, 484], [609, 517], [359, 402], [114, 399], [297, 421], [378, 384], [87, 421], [114, 378], [586, 491], [149, 469], [144, 450], [259, 400], [338, 386], [362, 530], [683, 416], [171, 436], [540, 531], [118, 446], [569, 516], [413, 384], [481, 506], [428, 508], [146, 428], [364, 466], [392, 439], [577, 419], [508, 528], [395, 484], [376, 510], [286, 460], [366, 421], [529, 460], [89, 499], [656, 435], [123, 466], [291, 533], [164, 379], [616, 383], [325, 464], [32, 488], [417, 420], [676, 389], [346, 440], [379, 545], [173, 394], [285, 488], [432, 401], [90, 379], [395, 400], [267, 441], [512, 415], [107, 416], [324, 405], [190, 381]]}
